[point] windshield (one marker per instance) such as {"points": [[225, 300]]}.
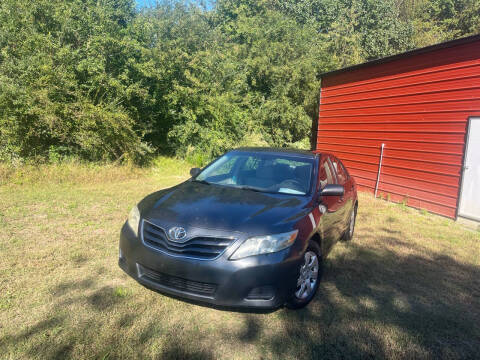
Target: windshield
{"points": [[260, 172]]}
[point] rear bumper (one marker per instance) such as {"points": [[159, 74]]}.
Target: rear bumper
{"points": [[261, 282]]}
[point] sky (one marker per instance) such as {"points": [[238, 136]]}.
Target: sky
{"points": [[143, 3]]}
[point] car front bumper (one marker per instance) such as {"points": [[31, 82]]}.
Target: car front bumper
{"points": [[262, 281]]}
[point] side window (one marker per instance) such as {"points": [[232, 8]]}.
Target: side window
{"points": [[325, 174], [347, 176], [342, 175]]}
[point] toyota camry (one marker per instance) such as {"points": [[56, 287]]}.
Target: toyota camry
{"points": [[250, 230]]}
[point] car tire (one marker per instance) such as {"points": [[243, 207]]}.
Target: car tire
{"points": [[348, 235], [311, 266]]}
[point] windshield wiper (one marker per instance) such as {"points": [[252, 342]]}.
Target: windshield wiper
{"points": [[250, 188], [201, 181]]}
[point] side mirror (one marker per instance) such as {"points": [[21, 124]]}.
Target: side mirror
{"points": [[332, 190], [194, 171]]}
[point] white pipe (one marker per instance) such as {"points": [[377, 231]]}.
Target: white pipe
{"points": [[379, 170]]}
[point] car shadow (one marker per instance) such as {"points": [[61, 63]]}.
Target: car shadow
{"points": [[377, 304]]}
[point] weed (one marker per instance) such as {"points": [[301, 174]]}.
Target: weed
{"points": [[78, 258], [6, 300], [121, 292], [391, 219]]}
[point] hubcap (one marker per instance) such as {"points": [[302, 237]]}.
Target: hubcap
{"points": [[352, 222], [308, 276]]}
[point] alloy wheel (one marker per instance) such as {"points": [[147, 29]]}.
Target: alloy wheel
{"points": [[308, 278]]}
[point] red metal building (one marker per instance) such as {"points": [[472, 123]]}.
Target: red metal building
{"points": [[419, 104]]}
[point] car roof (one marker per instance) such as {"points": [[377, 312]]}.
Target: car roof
{"points": [[273, 150]]}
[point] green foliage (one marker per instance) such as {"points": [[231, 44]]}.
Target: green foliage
{"points": [[440, 20], [121, 292], [101, 81], [356, 30], [64, 80]]}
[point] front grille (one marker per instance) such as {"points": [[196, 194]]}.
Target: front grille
{"points": [[205, 248], [173, 282]]}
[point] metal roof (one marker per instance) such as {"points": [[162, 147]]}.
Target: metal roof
{"points": [[443, 45], [276, 150]]}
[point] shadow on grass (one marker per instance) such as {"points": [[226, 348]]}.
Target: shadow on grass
{"points": [[373, 303], [178, 351], [383, 305], [42, 349], [56, 337], [64, 287], [104, 299]]}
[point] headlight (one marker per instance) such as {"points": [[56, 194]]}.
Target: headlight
{"points": [[134, 220], [264, 244]]}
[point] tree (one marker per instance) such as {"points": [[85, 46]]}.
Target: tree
{"points": [[99, 80]]}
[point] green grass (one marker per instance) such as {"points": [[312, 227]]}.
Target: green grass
{"points": [[408, 286]]}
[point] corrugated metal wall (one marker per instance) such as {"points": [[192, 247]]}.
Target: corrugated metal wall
{"points": [[418, 106]]}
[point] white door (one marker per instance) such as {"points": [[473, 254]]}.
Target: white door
{"points": [[470, 196]]}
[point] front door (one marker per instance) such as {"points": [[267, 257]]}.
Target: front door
{"points": [[346, 201], [329, 218], [470, 196]]}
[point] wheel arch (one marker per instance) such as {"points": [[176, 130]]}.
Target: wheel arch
{"points": [[318, 239]]}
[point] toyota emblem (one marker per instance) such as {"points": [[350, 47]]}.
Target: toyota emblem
{"points": [[177, 233]]}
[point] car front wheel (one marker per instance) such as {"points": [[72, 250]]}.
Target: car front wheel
{"points": [[309, 277]]}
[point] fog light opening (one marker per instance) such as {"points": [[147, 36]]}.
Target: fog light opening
{"points": [[261, 293]]}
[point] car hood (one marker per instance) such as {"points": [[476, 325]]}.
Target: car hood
{"points": [[193, 204]]}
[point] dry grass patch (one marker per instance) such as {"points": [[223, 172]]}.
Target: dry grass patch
{"points": [[407, 286]]}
